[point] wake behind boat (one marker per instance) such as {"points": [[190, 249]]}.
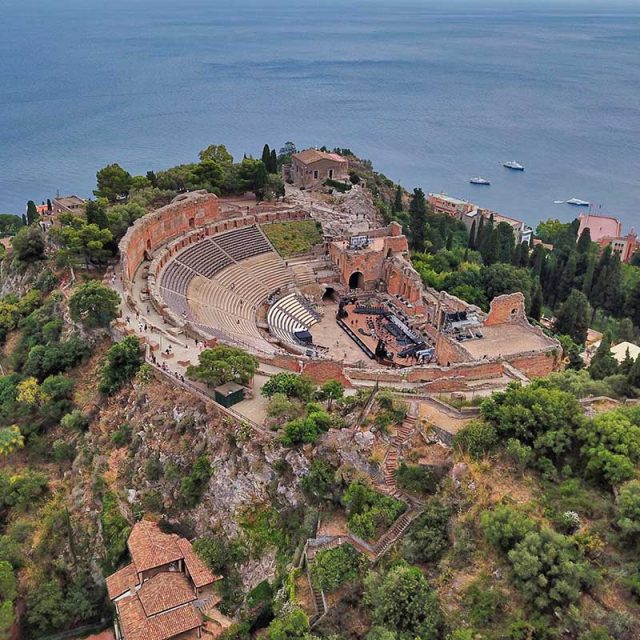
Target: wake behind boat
{"points": [[576, 202], [513, 165], [479, 180]]}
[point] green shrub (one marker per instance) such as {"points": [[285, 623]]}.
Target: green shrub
{"points": [[419, 479], [428, 536], [484, 601], [115, 531], [193, 485], [369, 512], [333, 567], [122, 435], [477, 438], [342, 187], [121, 365]]}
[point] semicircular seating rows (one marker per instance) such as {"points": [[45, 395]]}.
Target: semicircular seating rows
{"points": [[219, 282], [290, 314]]}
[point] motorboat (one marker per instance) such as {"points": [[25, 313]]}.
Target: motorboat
{"points": [[576, 202], [512, 164], [479, 180]]}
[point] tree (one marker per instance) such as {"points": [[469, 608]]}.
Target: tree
{"points": [[567, 280], [603, 363], [81, 241], [584, 241], [548, 570], [94, 304], [629, 511], [428, 537], [535, 311], [266, 157], [223, 364], [10, 439], [291, 625], [611, 446], [472, 236], [632, 304], [216, 153], [540, 415], [402, 601], [121, 365], [96, 213], [418, 220], [502, 278], [29, 244], [332, 390], [32, 212], [113, 183], [573, 316], [398, 204], [286, 151], [505, 527], [477, 438]]}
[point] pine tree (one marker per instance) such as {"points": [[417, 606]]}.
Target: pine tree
{"points": [[96, 214], [397, 202], [418, 219], [472, 236], [603, 363]]}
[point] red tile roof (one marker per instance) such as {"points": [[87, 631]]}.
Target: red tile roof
{"points": [[170, 624], [199, 573], [136, 625], [164, 591], [150, 548], [309, 156], [121, 581]]}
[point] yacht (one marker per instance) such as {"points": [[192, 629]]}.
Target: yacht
{"points": [[479, 180], [512, 164], [576, 202]]}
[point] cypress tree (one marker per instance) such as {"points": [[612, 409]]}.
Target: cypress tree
{"points": [[572, 318], [479, 241], [274, 162], [524, 253], [584, 242], [632, 305], [536, 301], [472, 236], [397, 203], [627, 364], [587, 280], [567, 279], [634, 374], [603, 363], [49, 206], [24, 220], [449, 242], [418, 219], [266, 156], [491, 247], [537, 259], [32, 212]]}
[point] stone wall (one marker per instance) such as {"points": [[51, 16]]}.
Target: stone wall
{"points": [[187, 211], [507, 308]]}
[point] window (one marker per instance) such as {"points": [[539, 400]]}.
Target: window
{"points": [[330, 174], [315, 175]]}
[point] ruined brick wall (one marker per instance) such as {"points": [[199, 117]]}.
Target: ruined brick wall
{"points": [[322, 370], [507, 308], [403, 280], [448, 351], [186, 212], [537, 365]]}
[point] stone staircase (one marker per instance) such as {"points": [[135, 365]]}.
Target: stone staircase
{"points": [[392, 535]]}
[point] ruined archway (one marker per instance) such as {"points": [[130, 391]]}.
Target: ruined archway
{"points": [[329, 295], [356, 281]]}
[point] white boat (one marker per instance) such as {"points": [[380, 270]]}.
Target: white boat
{"points": [[479, 180], [576, 202], [512, 164], [559, 201]]}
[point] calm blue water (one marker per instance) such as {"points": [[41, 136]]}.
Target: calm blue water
{"points": [[433, 92]]}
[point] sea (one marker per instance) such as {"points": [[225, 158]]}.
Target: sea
{"points": [[433, 92]]}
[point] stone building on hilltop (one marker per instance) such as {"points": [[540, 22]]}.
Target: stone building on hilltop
{"points": [[311, 168]]}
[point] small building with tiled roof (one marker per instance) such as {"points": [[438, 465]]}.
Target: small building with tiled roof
{"points": [[311, 168], [159, 595]]}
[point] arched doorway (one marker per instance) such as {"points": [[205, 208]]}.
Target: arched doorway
{"points": [[356, 281], [329, 295]]}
